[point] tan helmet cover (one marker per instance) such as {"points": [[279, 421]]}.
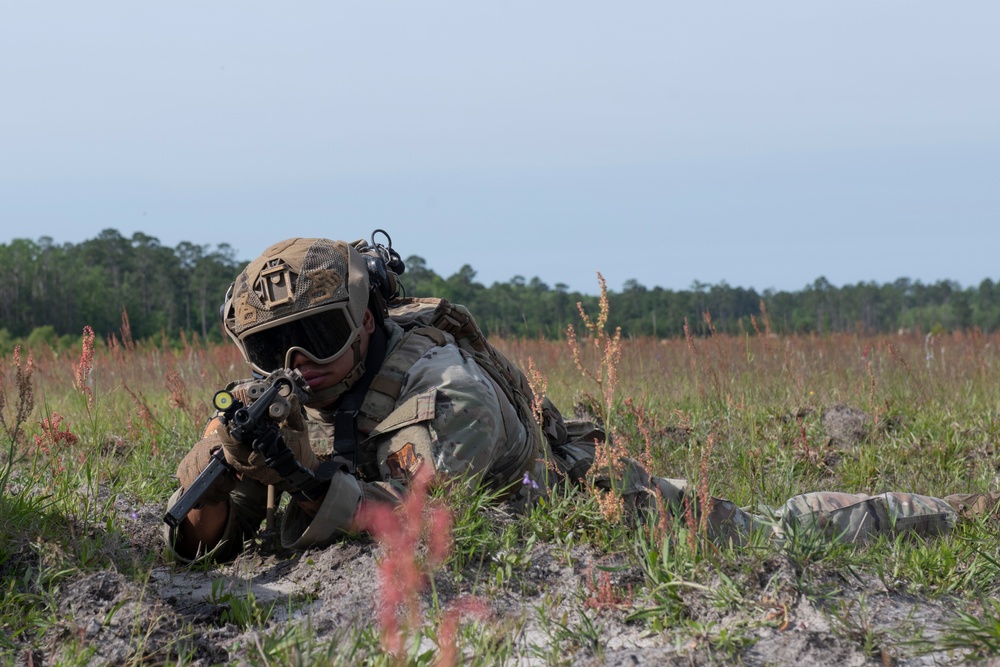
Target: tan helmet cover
{"points": [[292, 278]]}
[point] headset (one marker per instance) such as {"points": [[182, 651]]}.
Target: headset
{"points": [[384, 266]]}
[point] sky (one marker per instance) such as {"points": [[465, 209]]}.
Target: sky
{"points": [[764, 144]]}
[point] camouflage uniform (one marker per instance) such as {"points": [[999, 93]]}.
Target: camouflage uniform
{"points": [[843, 516], [448, 413], [848, 517]]}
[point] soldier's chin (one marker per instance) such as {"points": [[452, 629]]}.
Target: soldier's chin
{"points": [[319, 382], [326, 395]]}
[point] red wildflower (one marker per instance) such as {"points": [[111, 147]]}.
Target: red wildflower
{"points": [[403, 575]]}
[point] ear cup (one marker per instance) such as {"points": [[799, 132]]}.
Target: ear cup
{"points": [[379, 277], [384, 266]]}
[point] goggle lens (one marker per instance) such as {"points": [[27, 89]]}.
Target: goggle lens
{"points": [[324, 336]]}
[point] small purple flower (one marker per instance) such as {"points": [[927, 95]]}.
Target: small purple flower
{"points": [[134, 515], [527, 481]]}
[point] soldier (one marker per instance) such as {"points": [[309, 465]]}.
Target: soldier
{"points": [[843, 516], [383, 400]]}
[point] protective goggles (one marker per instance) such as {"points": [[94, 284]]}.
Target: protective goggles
{"points": [[322, 336]]}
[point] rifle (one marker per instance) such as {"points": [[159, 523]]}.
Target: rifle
{"points": [[254, 419], [192, 495]]}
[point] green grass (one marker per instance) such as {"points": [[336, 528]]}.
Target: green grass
{"points": [[739, 417]]}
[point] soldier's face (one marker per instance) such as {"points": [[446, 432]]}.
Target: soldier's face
{"points": [[323, 376]]}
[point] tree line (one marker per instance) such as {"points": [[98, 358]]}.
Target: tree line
{"points": [[50, 290]]}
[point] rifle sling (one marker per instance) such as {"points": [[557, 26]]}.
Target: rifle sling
{"points": [[345, 419]]}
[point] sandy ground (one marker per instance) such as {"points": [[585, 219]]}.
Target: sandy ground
{"points": [[181, 611]]}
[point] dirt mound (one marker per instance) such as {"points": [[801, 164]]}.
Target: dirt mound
{"points": [[846, 426], [120, 622]]}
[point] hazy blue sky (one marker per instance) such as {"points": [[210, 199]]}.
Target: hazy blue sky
{"points": [[760, 143]]}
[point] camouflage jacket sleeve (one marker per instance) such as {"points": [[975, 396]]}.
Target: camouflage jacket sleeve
{"points": [[450, 415]]}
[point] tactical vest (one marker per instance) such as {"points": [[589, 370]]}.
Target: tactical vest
{"points": [[430, 323]]}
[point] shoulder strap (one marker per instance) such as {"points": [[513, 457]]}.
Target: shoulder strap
{"points": [[384, 389], [386, 386], [345, 419]]}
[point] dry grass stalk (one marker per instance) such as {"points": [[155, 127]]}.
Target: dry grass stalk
{"points": [[25, 396], [55, 440], [609, 348], [83, 369], [539, 387], [705, 502], [126, 331], [645, 424], [609, 459], [177, 388]]}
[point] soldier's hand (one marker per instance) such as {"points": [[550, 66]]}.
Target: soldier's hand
{"points": [[247, 461], [196, 461]]}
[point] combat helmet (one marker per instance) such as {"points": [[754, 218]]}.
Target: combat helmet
{"points": [[300, 295]]}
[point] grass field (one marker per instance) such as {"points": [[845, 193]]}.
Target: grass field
{"points": [[91, 443]]}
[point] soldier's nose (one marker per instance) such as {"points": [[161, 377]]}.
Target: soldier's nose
{"points": [[298, 359]]}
